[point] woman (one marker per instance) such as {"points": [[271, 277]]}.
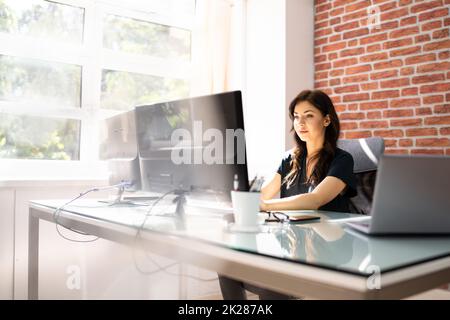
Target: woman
{"points": [[315, 174]]}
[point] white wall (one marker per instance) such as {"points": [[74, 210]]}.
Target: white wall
{"points": [[279, 64]]}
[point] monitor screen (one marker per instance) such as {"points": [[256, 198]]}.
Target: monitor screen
{"points": [[118, 146], [195, 144]]}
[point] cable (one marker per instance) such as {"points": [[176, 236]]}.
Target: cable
{"points": [[57, 212], [159, 267]]}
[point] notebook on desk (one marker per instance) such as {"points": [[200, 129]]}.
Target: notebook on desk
{"points": [[411, 197]]}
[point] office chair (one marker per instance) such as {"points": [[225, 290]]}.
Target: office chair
{"points": [[366, 154]]}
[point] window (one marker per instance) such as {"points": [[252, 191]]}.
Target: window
{"points": [[65, 64]]}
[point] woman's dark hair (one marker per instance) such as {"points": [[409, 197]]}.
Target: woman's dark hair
{"points": [[321, 101]]}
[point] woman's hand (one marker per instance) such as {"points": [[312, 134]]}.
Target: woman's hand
{"points": [[263, 206]]}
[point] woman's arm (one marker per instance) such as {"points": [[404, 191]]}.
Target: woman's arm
{"points": [[326, 191], [271, 188]]}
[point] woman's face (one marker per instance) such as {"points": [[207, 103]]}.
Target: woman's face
{"points": [[309, 123]]}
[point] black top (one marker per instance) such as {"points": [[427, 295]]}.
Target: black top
{"points": [[341, 167]]}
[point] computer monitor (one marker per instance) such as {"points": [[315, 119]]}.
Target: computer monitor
{"points": [[194, 145], [118, 146]]}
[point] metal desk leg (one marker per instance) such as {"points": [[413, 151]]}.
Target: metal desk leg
{"points": [[33, 256]]}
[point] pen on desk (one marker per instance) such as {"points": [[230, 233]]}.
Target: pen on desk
{"points": [[252, 183]]}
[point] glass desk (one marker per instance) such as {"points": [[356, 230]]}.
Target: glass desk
{"points": [[322, 259]]}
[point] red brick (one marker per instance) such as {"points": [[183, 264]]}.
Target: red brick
{"points": [[356, 33], [422, 38], [444, 131], [416, 132], [427, 151], [335, 21], [353, 88], [373, 105], [374, 57], [332, 56], [441, 34], [420, 58], [388, 64], [356, 97], [388, 6], [373, 124], [423, 111], [346, 26], [321, 16], [398, 113], [405, 142], [357, 134], [336, 12], [399, 103], [443, 108], [372, 39], [320, 75], [351, 116], [431, 25], [348, 125], [324, 7], [433, 99], [444, 55], [406, 122], [410, 91], [433, 142], [394, 83], [389, 133], [345, 62], [340, 107], [447, 97], [437, 87], [385, 94], [337, 3], [384, 74], [356, 6], [404, 32], [335, 38], [323, 33], [428, 78], [334, 47], [336, 72], [433, 14], [369, 86], [321, 84], [406, 71], [408, 21], [403, 52], [396, 151], [335, 82], [437, 45], [394, 14], [374, 47], [352, 106], [447, 22], [321, 25], [323, 66], [358, 69], [351, 52], [358, 78], [425, 6], [390, 143], [355, 15], [320, 58], [438, 66], [374, 115], [437, 120], [397, 43]]}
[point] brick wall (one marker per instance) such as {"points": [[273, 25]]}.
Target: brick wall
{"points": [[390, 80]]}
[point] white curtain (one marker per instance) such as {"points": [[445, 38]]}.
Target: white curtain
{"points": [[217, 46]]}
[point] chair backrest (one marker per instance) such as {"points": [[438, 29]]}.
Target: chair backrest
{"points": [[366, 154]]}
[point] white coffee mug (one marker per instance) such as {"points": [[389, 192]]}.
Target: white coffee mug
{"points": [[245, 208]]}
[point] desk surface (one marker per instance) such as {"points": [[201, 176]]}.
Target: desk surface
{"points": [[326, 244]]}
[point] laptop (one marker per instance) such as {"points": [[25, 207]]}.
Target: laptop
{"points": [[412, 196]]}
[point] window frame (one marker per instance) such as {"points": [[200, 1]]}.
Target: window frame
{"points": [[92, 58]]}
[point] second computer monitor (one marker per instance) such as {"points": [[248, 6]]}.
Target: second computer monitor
{"points": [[195, 144]]}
